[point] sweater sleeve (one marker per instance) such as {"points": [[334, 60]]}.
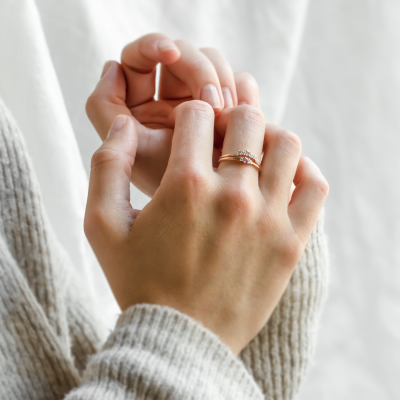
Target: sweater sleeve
{"points": [[155, 352]]}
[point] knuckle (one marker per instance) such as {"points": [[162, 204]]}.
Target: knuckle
{"points": [[190, 182], [88, 225], [195, 108], [316, 180], [125, 51], [286, 244], [195, 176], [104, 155], [199, 66], [249, 114], [95, 222], [237, 200], [290, 140], [321, 184], [290, 251], [93, 104]]}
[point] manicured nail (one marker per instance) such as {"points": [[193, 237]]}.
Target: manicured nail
{"points": [[209, 94], [166, 44], [242, 102], [117, 124], [107, 65], [228, 102]]}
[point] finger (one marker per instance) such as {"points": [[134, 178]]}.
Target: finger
{"points": [[225, 76], [221, 122], [193, 75], [192, 143], [246, 89], [308, 198], [108, 98], [105, 103], [108, 207], [244, 131], [247, 93], [139, 60], [281, 157]]}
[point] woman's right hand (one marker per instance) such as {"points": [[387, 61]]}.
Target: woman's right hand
{"points": [[219, 244]]}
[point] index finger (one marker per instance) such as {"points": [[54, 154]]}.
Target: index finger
{"points": [[197, 72], [139, 60]]}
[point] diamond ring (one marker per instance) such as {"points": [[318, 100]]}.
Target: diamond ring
{"points": [[244, 156]]}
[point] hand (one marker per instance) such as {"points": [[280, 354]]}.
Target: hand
{"points": [[187, 73], [218, 245]]}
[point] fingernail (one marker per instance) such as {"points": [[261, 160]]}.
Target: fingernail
{"points": [[228, 102], [242, 102], [107, 65], [117, 124], [166, 44], [209, 94]]}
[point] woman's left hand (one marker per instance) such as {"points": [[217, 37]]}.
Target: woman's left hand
{"points": [[186, 73]]}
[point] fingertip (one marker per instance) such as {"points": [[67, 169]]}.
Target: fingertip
{"points": [[168, 50], [123, 135], [228, 99], [218, 110], [146, 52], [246, 89], [105, 68], [188, 109], [166, 44], [110, 68], [210, 94], [193, 106], [117, 125]]}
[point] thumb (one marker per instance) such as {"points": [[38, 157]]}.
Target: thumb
{"points": [[108, 210]]}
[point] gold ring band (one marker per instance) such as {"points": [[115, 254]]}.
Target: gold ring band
{"points": [[244, 156], [233, 155], [245, 160]]}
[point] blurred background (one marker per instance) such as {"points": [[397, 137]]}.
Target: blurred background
{"points": [[327, 70]]}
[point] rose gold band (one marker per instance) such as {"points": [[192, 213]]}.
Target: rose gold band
{"points": [[244, 159]]}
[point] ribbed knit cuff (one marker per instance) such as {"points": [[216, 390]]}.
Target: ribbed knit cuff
{"points": [[158, 352]]}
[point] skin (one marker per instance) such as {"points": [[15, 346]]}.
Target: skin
{"points": [[129, 88], [218, 243]]}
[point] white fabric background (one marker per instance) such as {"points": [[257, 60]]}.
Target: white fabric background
{"points": [[328, 70]]}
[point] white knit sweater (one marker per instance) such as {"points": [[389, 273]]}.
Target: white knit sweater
{"points": [[50, 346]]}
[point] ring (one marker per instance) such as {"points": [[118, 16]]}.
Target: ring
{"points": [[245, 153], [244, 156]]}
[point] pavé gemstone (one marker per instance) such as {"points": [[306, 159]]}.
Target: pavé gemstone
{"points": [[246, 153]]}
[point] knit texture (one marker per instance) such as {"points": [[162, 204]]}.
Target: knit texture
{"points": [[50, 341]]}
